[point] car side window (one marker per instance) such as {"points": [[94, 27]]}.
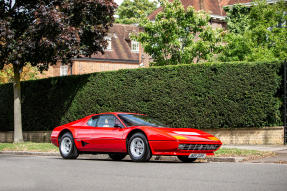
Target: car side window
{"points": [[108, 121], [93, 121]]}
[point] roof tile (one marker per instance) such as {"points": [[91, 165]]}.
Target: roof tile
{"points": [[121, 47], [214, 7]]}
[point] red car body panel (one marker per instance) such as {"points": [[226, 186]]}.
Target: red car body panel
{"points": [[162, 141]]}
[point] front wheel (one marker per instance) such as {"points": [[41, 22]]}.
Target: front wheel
{"points": [[138, 148], [186, 159], [67, 147]]}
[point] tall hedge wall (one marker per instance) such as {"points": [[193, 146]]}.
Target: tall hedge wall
{"points": [[211, 95]]}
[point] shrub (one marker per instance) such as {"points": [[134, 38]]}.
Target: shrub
{"points": [[210, 95]]}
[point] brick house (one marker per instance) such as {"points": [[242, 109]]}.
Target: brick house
{"points": [[121, 53], [124, 53]]}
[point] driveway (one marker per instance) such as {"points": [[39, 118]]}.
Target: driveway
{"points": [[87, 173]]}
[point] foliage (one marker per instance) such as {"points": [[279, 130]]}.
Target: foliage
{"points": [[178, 36], [42, 32], [28, 73], [256, 33], [131, 11], [237, 18], [210, 95]]}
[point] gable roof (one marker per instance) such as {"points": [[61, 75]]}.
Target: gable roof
{"points": [[121, 45], [213, 7], [249, 2]]}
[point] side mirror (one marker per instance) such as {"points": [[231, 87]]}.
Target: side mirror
{"points": [[117, 125]]}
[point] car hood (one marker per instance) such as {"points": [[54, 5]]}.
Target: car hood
{"points": [[187, 134]]}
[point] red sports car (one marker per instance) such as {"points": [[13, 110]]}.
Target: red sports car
{"points": [[138, 135]]}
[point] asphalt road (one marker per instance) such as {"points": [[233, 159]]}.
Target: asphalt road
{"points": [[53, 173]]}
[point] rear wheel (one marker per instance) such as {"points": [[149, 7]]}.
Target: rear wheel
{"points": [[117, 156], [186, 159], [138, 148], [67, 147]]}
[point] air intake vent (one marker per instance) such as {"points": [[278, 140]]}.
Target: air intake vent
{"points": [[84, 143], [198, 147]]}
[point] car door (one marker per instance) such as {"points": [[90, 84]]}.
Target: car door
{"points": [[103, 134]]}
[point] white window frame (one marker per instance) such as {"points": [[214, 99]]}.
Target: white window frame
{"points": [[64, 70], [109, 40], [135, 46]]}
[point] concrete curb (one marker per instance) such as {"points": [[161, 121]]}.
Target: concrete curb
{"points": [[208, 159], [225, 159], [103, 156], [30, 153]]}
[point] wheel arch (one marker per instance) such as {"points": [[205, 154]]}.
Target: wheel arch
{"points": [[134, 131], [63, 132]]}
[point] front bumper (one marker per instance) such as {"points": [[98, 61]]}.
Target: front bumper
{"points": [[172, 147]]}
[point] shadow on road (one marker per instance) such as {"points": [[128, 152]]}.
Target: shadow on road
{"points": [[126, 160]]}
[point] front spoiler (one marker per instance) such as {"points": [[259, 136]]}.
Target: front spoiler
{"points": [[171, 148]]}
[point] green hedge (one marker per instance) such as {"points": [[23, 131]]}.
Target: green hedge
{"points": [[210, 95]]}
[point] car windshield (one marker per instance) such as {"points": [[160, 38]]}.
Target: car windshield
{"points": [[139, 120]]}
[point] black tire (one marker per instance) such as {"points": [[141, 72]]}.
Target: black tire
{"points": [[73, 153], [186, 159], [117, 156], [146, 154]]}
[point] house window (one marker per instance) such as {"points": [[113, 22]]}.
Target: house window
{"points": [[135, 46], [109, 40], [63, 70]]}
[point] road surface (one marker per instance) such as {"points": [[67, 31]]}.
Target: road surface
{"points": [[87, 173]]}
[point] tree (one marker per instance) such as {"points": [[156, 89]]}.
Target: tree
{"points": [[237, 18], [42, 32], [28, 73], [130, 11], [256, 33], [178, 36]]}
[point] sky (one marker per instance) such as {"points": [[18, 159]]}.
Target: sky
{"points": [[118, 1]]}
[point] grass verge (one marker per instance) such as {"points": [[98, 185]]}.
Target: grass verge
{"points": [[48, 147], [28, 146], [248, 154]]}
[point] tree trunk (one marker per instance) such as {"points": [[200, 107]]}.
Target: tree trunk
{"points": [[18, 135]]}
